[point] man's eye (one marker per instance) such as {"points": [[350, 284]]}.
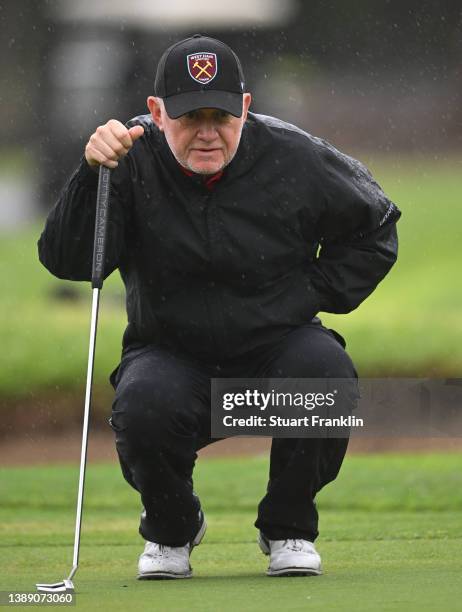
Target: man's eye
{"points": [[219, 116]]}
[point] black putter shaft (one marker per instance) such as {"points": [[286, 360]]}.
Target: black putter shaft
{"points": [[102, 209]]}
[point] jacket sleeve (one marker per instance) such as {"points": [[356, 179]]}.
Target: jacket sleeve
{"points": [[356, 232], [66, 244]]}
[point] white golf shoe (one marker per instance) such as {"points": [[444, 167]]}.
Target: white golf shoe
{"points": [[159, 562], [294, 557]]}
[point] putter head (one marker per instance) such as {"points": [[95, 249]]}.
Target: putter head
{"points": [[66, 586]]}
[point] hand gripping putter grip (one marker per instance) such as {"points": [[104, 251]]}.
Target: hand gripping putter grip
{"points": [[102, 209]]}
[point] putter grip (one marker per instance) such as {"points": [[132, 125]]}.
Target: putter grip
{"points": [[102, 213]]}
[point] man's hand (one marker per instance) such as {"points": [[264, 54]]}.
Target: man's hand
{"points": [[110, 142]]}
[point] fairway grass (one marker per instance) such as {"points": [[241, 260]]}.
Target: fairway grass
{"points": [[391, 538]]}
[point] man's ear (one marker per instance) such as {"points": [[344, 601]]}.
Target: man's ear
{"points": [[246, 100], [155, 108]]}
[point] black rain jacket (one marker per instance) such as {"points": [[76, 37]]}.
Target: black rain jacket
{"points": [[294, 227]]}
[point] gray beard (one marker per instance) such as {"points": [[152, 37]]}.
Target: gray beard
{"points": [[222, 167]]}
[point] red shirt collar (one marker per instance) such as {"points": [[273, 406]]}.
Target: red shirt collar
{"points": [[208, 180]]}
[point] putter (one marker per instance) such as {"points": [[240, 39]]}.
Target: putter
{"points": [[102, 206]]}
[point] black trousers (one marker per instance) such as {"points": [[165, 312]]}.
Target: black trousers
{"points": [[161, 417]]}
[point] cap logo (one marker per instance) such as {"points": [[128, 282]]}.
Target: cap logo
{"points": [[202, 67]]}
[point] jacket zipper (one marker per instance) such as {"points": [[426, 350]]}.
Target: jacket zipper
{"points": [[213, 297]]}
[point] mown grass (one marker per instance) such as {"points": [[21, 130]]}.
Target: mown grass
{"points": [[411, 325], [390, 538]]}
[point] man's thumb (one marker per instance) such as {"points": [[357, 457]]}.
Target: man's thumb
{"points": [[136, 131]]}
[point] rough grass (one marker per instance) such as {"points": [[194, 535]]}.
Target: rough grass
{"points": [[390, 538], [410, 326]]}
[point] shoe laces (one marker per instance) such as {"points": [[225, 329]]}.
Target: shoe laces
{"points": [[295, 544], [158, 550]]}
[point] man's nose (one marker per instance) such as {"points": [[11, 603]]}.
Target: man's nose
{"points": [[207, 130]]}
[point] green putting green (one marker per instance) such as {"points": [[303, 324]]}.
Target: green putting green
{"points": [[391, 538]]}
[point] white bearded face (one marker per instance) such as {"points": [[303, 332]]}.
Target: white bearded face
{"points": [[204, 140]]}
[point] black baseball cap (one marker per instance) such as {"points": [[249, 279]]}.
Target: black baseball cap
{"points": [[199, 72]]}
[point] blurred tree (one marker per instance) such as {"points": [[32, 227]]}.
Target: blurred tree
{"points": [[23, 35], [384, 32], [49, 102]]}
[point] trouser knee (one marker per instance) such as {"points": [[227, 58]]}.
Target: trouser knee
{"points": [[151, 417], [311, 353]]}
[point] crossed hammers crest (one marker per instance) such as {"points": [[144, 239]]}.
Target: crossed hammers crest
{"points": [[203, 69]]}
